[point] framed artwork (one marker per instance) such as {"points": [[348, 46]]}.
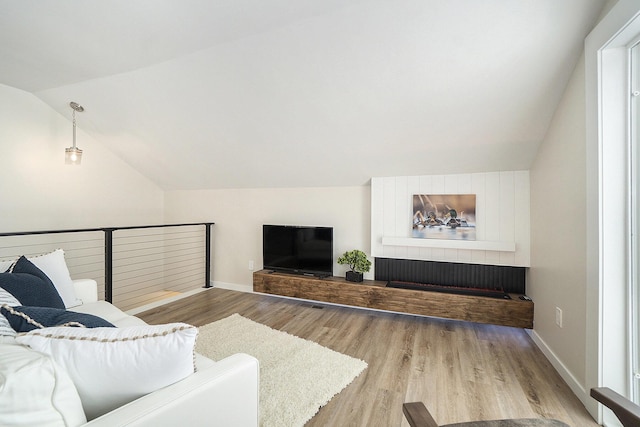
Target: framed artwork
{"points": [[444, 216]]}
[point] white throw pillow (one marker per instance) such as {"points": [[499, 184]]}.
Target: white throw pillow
{"points": [[34, 391], [4, 265], [113, 366], [55, 267], [11, 301]]}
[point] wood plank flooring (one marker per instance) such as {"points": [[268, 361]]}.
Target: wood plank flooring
{"points": [[462, 371]]}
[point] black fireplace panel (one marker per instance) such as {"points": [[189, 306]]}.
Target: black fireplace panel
{"points": [[479, 276]]}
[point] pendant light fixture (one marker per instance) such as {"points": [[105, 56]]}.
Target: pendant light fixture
{"points": [[73, 155]]}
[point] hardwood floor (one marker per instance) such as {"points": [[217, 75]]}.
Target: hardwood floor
{"points": [[462, 371]]}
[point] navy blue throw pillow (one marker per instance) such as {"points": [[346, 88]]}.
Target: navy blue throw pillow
{"points": [[25, 319], [30, 285]]}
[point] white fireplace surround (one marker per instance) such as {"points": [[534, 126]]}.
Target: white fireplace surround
{"points": [[502, 218]]}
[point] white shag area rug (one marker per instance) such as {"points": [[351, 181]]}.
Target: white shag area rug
{"points": [[297, 376]]}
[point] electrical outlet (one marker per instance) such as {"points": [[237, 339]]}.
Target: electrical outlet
{"points": [[559, 317], [250, 265]]}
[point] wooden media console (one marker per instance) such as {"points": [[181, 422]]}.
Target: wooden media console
{"points": [[376, 295]]}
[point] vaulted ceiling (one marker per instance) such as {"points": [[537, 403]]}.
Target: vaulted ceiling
{"points": [[199, 94]]}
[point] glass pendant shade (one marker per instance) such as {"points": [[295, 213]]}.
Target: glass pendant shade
{"points": [[72, 156]]}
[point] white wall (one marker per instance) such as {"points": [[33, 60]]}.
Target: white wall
{"points": [[39, 192], [502, 218], [558, 238], [240, 214]]}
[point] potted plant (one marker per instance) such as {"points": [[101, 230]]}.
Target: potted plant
{"points": [[357, 262]]}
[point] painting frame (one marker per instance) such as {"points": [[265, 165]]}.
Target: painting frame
{"points": [[444, 216]]}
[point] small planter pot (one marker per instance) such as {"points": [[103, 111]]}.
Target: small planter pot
{"points": [[353, 276]]}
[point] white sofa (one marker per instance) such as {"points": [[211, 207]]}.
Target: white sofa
{"points": [[223, 393]]}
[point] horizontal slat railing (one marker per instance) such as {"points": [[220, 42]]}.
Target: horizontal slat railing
{"points": [[133, 265]]}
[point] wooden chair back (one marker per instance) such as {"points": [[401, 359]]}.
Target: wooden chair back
{"points": [[627, 412]]}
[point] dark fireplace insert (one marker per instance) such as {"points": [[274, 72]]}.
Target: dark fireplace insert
{"points": [[496, 281]]}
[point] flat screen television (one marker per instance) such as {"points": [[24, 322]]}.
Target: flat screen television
{"points": [[298, 249]]}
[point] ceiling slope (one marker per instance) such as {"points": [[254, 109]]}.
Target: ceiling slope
{"points": [[232, 94]]}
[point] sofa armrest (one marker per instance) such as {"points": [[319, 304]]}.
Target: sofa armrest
{"points": [[223, 394], [86, 290]]}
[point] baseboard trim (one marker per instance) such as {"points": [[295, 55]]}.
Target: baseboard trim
{"points": [[233, 286], [576, 387]]}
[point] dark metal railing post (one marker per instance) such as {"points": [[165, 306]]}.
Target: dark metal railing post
{"points": [[207, 255], [108, 264]]}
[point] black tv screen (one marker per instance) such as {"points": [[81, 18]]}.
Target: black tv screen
{"points": [[298, 249]]}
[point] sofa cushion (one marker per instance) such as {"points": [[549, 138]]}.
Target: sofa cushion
{"points": [[34, 391], [55, 267], [110, 313], [30, 285], [7, 299], [25, 319], [113, 366]]}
